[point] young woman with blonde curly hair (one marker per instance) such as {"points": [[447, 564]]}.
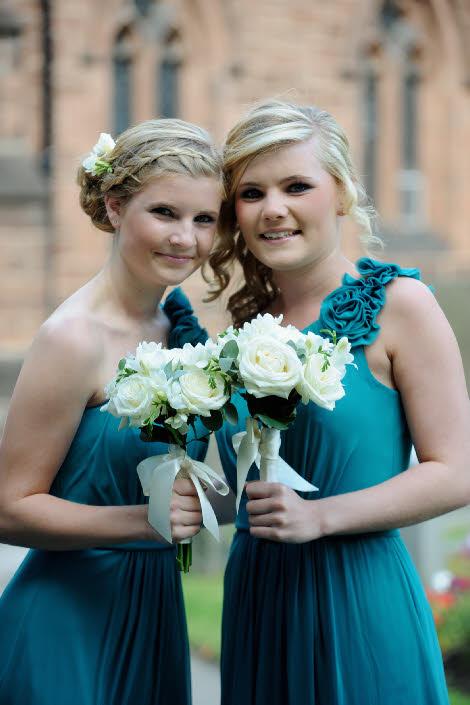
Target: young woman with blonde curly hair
{"points": [[322, 604], [94, 615]]}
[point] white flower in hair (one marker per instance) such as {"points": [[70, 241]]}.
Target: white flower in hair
{"points": [[94, 163]]}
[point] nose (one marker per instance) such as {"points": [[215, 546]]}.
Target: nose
{"points": [[274, 207], [183, 235]]}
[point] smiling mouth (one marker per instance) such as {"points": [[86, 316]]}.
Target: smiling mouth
{"points": [[280, 235]]}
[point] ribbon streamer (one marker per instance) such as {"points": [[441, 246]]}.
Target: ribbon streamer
{"points": [[262, 447], [157, 475]]}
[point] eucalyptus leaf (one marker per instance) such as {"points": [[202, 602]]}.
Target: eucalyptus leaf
{"points": [[272, 423], [230, 349]]}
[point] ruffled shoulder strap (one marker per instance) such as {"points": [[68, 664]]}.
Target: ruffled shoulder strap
{"points": [[185, 327], [352, 309]]}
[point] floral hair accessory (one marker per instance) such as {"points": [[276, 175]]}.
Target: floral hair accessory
{"points": [[94, 162]]}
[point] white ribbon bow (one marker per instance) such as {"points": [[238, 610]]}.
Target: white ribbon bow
{"points": [[157, 475], [262, 447]]}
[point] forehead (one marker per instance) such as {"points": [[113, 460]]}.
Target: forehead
{"points": [[291, 159], [182, 189]]}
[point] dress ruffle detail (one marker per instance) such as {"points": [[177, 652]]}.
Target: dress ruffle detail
{"points": [[352, 309], [185, 327]]}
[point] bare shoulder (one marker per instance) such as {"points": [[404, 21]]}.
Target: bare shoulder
{"points": [[64, 357], [412, 311]]}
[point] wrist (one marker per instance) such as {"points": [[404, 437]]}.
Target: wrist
{"points": [[324, 513]]}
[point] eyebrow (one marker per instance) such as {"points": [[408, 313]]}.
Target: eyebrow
{"points": [[294, 177]]}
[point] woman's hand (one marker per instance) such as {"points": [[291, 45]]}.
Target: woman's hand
{"points": [[185, 510], [277, 513]]}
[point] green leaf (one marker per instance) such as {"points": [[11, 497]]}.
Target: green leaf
{"points": [[122, 364], [230, 349], [226, 363], [231, 413], [272, 423]]}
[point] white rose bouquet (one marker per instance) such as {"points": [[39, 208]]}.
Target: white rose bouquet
{"points": [[163, 392], [278, 367]]}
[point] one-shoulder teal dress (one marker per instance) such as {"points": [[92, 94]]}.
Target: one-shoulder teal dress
{"points": [[342, 620], [102, 626]]}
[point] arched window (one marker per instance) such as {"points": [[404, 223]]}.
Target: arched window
{"points": [[169, 77], [122, 81], [370, 121], [391, 81]]}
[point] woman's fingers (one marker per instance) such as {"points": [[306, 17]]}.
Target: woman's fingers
{"points": [[184, 487]]}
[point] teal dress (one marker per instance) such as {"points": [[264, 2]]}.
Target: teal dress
{"points": [[102, 626], [342, 620]]}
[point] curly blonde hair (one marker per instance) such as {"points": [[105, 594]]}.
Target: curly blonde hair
{"points": [[149, 149], [266, 127]]}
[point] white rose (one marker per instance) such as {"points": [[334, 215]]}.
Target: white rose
{"points": [[132, 397], [151, 357], [318, 385], [263, 324], [196, 356], [198, 395], [268, 366]]}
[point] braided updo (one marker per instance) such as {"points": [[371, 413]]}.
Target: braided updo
{"points": [[149, 149]]}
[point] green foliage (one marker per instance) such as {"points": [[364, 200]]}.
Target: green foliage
{"points": [[458, 698], [454, 628], [203, 599]]}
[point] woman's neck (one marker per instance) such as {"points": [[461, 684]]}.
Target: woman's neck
{"points": [[309, 286], [117, 291]]}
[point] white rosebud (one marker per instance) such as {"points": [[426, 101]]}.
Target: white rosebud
{"points": [[341, 356], [268, 366], [322, 386]]}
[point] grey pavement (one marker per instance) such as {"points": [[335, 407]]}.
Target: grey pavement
{"points": [[205, 676]]}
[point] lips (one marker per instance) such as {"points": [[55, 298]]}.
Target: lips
{"points": [[173, 257]]}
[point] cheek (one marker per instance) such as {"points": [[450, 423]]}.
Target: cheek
{"points": [[246, 213], [205, 240]]}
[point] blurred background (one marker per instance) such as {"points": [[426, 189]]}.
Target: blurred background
{"points": [[395, 73]]}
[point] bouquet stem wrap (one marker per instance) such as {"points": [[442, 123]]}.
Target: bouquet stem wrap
{"points": [[157, 475], [261, 446]]}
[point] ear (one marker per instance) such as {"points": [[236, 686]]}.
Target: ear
{"points": [[113, 209]]}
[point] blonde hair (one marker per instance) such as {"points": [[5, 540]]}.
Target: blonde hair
{"points": [[268, 126], [149, 149]]}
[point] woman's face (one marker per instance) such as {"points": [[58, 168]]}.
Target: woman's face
{"points": [[166, 231], [287, 206]]}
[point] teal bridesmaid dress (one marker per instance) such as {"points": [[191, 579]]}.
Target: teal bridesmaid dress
{"points": [[102, 626], [342, 620]]}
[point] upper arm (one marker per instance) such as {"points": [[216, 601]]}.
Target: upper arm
{"points": [[53, 387], [428, 372]]}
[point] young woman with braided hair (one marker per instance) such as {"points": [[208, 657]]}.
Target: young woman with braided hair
{"points": [[94, 615]]}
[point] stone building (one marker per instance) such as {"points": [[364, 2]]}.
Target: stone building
{"points": [[396, 74]]}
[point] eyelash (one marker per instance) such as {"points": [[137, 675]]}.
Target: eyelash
{"points": [[203, 218], [292, 188]]}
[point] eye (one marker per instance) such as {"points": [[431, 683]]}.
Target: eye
{"points": [[251, 194], [204, 218], [298, 187], [163, 210]]}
